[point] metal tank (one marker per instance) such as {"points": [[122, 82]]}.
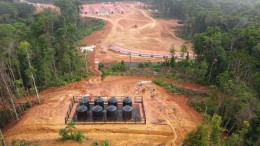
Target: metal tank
{"points": [[112, 101], [99, 101], [82, 112], [97, 112], [127, 112], [127, 101], [111, 112], [84, 101]]}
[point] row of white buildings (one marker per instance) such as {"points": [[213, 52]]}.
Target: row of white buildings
{"points": [[102, 9]]}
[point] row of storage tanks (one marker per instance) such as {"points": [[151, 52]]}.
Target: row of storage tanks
{"points": [[97, 110]]}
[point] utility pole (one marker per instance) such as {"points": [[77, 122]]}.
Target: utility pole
{"points": [[2, 138]]}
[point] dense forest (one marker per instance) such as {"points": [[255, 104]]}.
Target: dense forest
{"points": [[38, 51], [226, 39]]}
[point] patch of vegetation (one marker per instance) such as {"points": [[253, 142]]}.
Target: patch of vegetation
{"points": [[69, 133], [117, 68], [144, 64], [139, 69], [179, 90], [22, 142], [209, 133], [86, 29], [103, 143], [101, 66], [95, 143]]}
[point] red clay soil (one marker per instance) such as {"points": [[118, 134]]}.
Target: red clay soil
{"points": [[169, 118], [151, 35]]}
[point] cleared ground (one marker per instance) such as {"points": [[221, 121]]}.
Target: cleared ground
{"points": [[135, 30], [169, 118]]}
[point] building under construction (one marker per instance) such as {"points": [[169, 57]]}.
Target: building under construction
{"points": [[102, 9]]}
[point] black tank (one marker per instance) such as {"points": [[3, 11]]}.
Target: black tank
{"points": [[97, 112], [127, 112], [82, 112], [111, 112], [99, 101], [85, 101], [127, 101], [112, 101]]}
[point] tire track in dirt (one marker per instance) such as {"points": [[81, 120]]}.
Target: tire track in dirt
{"points": [[168, 113], [169, 117], [168, 122], [144, 14]]}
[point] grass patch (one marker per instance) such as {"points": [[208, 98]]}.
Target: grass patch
{"points": [[179, 90], [135, 69]]}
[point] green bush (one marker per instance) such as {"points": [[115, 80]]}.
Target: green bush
{"points": [[119, 67], [105, 143], [101, 66], [64, 133], [144, 64], [156, 68], [174, 75], [78, 136], [95, 143], [68, 133]]}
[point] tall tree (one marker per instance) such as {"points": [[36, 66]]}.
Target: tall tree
{"points": [[183, 49], [25, 48]]}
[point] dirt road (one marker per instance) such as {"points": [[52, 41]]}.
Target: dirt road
{"points": [[136, 31]]}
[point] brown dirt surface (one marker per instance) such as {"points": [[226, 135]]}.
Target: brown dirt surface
{"points": [[169, 118], [138, 31]]}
